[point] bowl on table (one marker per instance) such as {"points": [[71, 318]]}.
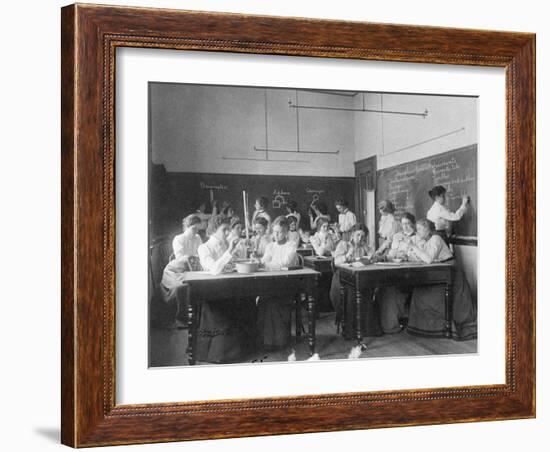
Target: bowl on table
{"points": [[247, 266], [397, 260]]}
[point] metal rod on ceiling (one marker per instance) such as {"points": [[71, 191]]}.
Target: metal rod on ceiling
{"points": [[264, 160], [452, 132], [295, 152], [361, 110]]}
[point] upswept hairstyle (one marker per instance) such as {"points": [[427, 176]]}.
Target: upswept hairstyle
{"points": [[190, 220], [438, 190]]}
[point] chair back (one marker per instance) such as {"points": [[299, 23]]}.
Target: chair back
{"points": [[160, 253]]}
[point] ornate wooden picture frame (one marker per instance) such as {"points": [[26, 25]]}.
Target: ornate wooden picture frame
{"points": [[90, 37]]}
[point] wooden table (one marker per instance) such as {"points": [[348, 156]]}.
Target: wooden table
{"points": [[324, 266], [203, 286], [359, 279], [305, 251], [318, 263]]}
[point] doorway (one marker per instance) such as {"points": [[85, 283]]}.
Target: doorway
{"points": [[365, 200]]}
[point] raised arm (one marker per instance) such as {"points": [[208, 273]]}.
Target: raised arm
{"points": [[448, 215]]}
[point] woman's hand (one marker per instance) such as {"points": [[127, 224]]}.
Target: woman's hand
{"points": [[465, 200], [233, 245]]}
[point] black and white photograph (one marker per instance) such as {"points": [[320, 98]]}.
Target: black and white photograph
{"points": [[294, 224]]}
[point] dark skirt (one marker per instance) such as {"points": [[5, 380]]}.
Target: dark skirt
{"points": [[393, 302], [274, 321], [370, 316], [427, 310], [226, 331]]}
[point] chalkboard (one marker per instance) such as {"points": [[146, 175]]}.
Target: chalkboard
{"points": [[407, 185], [182, 192]]}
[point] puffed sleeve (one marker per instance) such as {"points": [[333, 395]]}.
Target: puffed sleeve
{"points": [[210, 263]]}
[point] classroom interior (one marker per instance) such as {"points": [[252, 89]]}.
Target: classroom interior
{"points": [[212, 142]]}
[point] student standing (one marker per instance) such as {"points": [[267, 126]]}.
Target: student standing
{"points": [[388, 224], [440, 215], [317, 210], [260, 206], [291, 209], [346, 219]]}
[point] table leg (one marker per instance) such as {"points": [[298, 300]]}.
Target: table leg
{"points": [[358, 302], [311, 323], [343, 306], [448, 310], [299, 315], [191, 336]]}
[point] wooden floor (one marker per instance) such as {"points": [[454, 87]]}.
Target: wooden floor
{"points": [[168, 345]]}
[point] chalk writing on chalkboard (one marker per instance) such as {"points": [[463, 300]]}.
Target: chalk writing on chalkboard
{"points": [[279, 199], [316, 194], [407, 185], [213, 187]]}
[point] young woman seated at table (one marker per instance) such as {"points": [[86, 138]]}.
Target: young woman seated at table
{"points": [[236, 233], [397, 246], [393, 300], [293, 234], [426, 316], [227, 326], [354, 250], [274, 312], [261, 237], [188, 242], [323, 241]]}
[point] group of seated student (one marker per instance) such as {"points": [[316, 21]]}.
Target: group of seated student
{"points": [[231, 329]]}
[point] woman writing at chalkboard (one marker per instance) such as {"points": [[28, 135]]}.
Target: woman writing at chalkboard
{"points": [[440, 215]]}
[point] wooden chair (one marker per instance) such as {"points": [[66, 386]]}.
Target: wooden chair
{"points": [[160, 253]]}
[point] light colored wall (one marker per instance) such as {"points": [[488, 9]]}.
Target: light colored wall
{"points": [[384, 134], [195, 126]]}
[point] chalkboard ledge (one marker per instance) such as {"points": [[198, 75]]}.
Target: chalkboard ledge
{"points": [[464, 240]]}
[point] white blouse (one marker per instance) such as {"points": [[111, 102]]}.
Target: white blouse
{"points": [[440, 215], [294, 237], [347, 220], [259, 243], [401, 243], [186, 244], [435, 248], [278, 256], [214, 255], [323, 245], [388, 226], [347, 251]]}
